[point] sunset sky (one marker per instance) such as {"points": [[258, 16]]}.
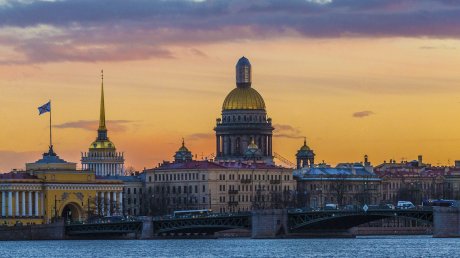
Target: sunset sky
{"points": [[376, 77]]}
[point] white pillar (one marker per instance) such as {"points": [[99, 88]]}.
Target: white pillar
{"points": [[115, 206], [30, 204], [23, 204], [10, 204], [96, 201], [120, 198], [42, 199], [36, 204], [109, 204], [103, 203], [16, 203], [3, 204]]}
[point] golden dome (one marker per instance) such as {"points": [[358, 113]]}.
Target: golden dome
{"points": [[104, 144], [243, 98]]}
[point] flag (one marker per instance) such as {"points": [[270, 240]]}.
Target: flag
{"points": [[45, 108]]}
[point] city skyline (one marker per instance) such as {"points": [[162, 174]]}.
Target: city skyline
{"points": [[385, 91]]}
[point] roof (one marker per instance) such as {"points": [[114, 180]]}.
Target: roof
{"points": [[193, 164], [205, 164], [243, 98], [122, 178], [17, 175]]}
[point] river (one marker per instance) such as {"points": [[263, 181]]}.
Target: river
{"points": [[379, 246]]}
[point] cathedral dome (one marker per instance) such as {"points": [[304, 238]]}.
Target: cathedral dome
{"points": [[243, 98]]}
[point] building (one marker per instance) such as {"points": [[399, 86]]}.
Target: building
{"points": [[346, 184], [52, 188], [102, 156], [221, 186], [133, 193], [244, 121], [413, 181]]}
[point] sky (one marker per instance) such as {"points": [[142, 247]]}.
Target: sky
{"points": [[375, 77]]}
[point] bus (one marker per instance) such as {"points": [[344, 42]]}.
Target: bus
{"points": [[192, 213], [439, 203]]}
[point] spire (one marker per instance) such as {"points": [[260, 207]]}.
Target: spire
{"points": [[102, 112], [304, 141], [183, 142]]}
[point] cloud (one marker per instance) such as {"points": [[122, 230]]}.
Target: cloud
{"points": [[286, 131], [442, 47], [92, 125], [119, 30], [362, 114]]}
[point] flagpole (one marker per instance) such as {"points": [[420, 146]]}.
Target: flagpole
{"points": [[51, 141]]}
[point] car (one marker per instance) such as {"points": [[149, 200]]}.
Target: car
{"points": [[331, 206], [405, 205]]}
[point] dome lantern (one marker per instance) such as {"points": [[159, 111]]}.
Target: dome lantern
{"points": [[243, 73]]}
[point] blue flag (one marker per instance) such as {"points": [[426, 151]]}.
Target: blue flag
{"points": [[45, 108]]}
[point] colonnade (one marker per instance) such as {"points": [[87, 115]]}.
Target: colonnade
{"points": [[236, 145], [105, 169], [22, 204], [109, 203]]}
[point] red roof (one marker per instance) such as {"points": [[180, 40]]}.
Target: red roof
{"points": [[205, 164]]}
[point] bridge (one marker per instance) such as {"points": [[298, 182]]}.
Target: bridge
{"points": [[289, 222], [207, 225], [299, 222], [103, 228]]}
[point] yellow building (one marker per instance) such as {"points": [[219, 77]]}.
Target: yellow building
{"points": [[52, 188]]}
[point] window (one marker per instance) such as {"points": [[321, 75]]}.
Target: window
{"points": [[134, 190], [204, 188], [203, 177], [204, 199], [129, 190], [196, 189]]}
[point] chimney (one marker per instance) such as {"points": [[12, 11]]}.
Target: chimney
{"points": [[420, 160]]}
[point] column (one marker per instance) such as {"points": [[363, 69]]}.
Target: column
{"points": [[109, 204], [217, 145], [102, 203], [23, 204], [10, 204], [36, 204], [270, 145], [30, 204], [115, 207], [3, 204], [16, 203], [96, 200], [42, 200], [121, 202]]}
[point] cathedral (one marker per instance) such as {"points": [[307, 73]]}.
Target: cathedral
{"points": [[244, 132], [102, 156]]}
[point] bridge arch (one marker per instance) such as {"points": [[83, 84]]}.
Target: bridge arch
{"points": [[345, 221]]}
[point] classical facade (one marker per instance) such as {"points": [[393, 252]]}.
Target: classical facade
{"points": [[52, 188], [345, 184], [221, 186], [102, 156], [244, 121]]}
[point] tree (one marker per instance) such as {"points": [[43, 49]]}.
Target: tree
{"points": [[339, 187]]}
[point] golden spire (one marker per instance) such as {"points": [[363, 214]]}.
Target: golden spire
{"points": [[102, 114]]}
